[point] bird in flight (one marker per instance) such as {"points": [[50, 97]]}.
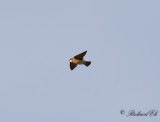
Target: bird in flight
{"points": [[78, 59]]}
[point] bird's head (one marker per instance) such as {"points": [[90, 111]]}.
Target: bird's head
{"points": [[71, 59]]}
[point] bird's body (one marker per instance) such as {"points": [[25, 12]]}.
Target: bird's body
{"points": [[78, 59]]}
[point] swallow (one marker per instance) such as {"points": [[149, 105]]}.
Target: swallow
{"points": [[78, 59]]}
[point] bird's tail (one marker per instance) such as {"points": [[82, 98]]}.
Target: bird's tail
{"points": [[87, 63]]}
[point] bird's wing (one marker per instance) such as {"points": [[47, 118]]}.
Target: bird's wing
{"points": [[72, 65], [81, 55]]}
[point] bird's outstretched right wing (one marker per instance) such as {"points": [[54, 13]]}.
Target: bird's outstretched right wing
{"points": [[81, 55]]}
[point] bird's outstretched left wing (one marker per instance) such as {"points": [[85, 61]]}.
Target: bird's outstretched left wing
{"points": [[81, 55], [72, 65]]}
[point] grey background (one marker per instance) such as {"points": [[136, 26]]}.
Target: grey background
{"points": [[37, 38]]}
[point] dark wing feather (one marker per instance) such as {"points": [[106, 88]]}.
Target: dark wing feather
{"points": [[72, 65], [81, 55]]}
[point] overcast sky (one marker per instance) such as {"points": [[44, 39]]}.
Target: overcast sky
{"points": [[37, 39]]}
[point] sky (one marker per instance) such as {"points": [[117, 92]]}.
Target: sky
{"points": [[37, 39]]}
